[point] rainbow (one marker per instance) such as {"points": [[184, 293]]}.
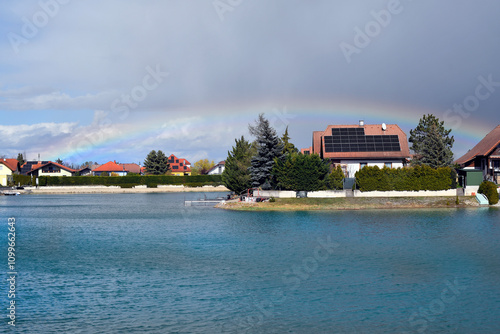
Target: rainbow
{"points": [[300, 116]]}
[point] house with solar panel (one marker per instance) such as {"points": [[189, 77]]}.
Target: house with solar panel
{"points": [[48, 168], [355, 146], [179, 167]]}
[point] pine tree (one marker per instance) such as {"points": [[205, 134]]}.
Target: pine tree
{"points": [[156, 163], [288, 147], [431, 143], [435, 153], [269, 147], [236, 176]]}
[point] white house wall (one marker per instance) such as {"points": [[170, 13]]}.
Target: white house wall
{"points": [[62, 172], [218, 170], [354, 165]]}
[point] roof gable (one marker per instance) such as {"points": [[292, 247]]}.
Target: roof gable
{"points": [[489, 143], [12, 164], [41, 165]]}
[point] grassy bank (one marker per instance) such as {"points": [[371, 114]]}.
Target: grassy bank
{"points": [[356, 203]]}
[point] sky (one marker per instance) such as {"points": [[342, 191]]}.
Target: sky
{"points": [[113, 80]]}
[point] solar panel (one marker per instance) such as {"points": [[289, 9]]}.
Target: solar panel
{"points": [[355, 140]]}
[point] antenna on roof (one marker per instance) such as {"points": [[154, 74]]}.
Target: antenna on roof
{"points": [[384, 126]]}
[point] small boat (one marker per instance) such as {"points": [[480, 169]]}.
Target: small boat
{"points": [[11, 193]]}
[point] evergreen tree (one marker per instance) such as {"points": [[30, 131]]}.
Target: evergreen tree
{"points": [[236, 176], [336, 179], [269, 147], [20, 159], [156, 163], [435, 153], [288, 147], [300, 172], [59, 161], [431, 143]]}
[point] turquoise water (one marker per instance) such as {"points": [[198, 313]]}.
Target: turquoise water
{"points": [[144, 263]]}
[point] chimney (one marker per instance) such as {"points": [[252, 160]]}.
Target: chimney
{"points": [[361, 122]]}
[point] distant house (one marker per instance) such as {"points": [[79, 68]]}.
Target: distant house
{"points": [[355, 146], [8, 167], [50, 169], [132, 168], [85, 171], [217, 169], [179, 167], [306, 151], [111, 167], [482, 162]]}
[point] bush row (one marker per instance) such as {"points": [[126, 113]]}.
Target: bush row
{"points": [[405, 179], [130, 181]]}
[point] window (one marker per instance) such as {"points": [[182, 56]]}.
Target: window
{"points": [[496, 164], [362, 164], [175, 167], [388, 164], [1, 167]]}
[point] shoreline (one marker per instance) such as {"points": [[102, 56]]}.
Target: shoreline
{"points": [[61, 190], [352, 203]]}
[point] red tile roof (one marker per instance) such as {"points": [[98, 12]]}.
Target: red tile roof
{"points": [[12, 164], [370, 130], [111, 166], [483, 148]]}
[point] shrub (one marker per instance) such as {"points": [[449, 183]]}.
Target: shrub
{"points": [[489, 189]]}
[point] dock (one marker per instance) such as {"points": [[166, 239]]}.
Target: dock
{"points": [[202, 203]]}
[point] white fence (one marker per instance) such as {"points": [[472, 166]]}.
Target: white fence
{"points": [[357, 193]]}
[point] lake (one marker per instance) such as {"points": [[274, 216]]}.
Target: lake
{"points": [[144, 263]]}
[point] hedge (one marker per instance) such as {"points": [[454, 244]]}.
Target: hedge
{"points": [[490, 190], [405, 179], [23, 180], [133, 180]]}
